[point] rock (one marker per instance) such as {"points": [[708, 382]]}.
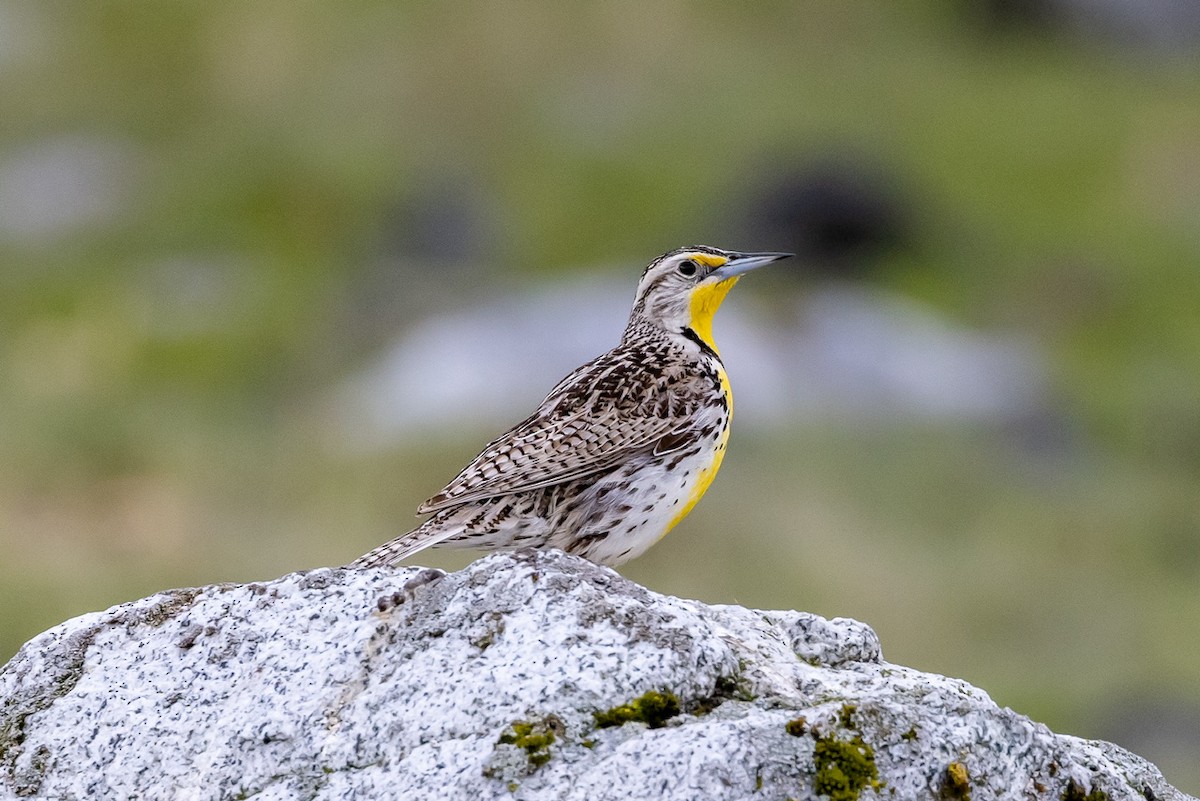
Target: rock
{"points": [[527, 676]]}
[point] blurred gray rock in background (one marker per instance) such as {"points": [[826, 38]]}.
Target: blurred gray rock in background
{"points": [[814, 339], [56, 186], [837, 351]]}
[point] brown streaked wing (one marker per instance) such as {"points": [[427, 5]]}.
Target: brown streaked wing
{"points": [[592, 421]]}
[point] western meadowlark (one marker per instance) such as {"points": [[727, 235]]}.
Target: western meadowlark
{"points": [[621, 450]]}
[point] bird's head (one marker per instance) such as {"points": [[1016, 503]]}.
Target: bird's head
{"points": [[681, 290]]}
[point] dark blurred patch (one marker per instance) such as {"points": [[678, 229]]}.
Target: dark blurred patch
{"points": [[837, 215], [1014, 15], [1163, 25], [1047, 437], [441, 219], [433, 244]]}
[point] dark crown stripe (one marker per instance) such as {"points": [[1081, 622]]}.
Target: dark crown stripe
{"points": [[688, 249]]}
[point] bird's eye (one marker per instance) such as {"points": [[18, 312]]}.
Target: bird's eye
{"points": [[687, 268]]}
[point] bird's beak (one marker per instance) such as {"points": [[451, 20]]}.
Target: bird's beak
{"points": [[744, 262]]}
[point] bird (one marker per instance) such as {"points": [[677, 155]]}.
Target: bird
{"points": [[621, 449]]}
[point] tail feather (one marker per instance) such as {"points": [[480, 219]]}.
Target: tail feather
{"points": [[391, 552]]}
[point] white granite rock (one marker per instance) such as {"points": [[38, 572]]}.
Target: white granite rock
{"points": [[510, 679]]}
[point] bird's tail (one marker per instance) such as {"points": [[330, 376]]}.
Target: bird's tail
{"points": [[429, 533]]}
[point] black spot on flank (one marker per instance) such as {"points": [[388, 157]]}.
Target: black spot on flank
{"points": [[671, 442], [674, 463], [623, 508], [648, 508]]}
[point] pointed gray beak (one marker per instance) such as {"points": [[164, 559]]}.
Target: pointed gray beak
{"points": [[744, 262]]}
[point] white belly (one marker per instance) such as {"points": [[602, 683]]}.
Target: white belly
{"points": [[632, 509]]}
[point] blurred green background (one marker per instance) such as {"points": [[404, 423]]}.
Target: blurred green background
{"points": [[212, 214]]}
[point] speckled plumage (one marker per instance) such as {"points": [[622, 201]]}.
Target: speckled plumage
{"points": [[620, 449]]}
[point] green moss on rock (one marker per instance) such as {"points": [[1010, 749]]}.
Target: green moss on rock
{"points": [[534, 737], [956, 782], [797, 727], [653, 708], [844, 768]]}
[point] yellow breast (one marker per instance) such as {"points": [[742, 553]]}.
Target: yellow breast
{"points": [[705, 476]]}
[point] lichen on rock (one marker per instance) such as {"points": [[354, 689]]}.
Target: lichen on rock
{"points": [[654, 708], [845, 767], [523, 747], [526, 675]]}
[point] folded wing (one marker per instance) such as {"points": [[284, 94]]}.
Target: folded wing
{"points": [[591, 422]]}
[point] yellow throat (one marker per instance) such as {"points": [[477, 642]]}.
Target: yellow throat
{"points": [[703, 304]]}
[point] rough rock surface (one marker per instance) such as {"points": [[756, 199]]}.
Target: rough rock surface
{"points": [[526, 676]]}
